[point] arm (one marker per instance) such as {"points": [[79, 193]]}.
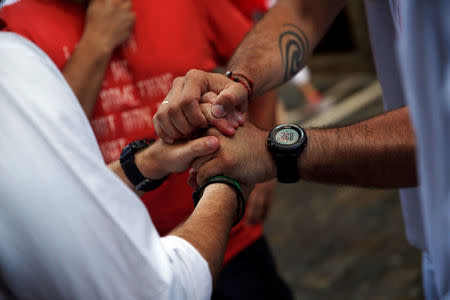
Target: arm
{"points": [[279, 45], [99, 242], [215, 212], [261, 113], [160, 159], [108, 25], [379, 152], [272, 52]]}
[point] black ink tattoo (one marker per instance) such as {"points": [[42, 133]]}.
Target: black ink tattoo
{"points": [[294, 48]]}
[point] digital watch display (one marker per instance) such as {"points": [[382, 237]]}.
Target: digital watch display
{"points": [[285, 143]]}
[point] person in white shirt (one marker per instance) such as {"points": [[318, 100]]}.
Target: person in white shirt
{"points": [[72, 229]]}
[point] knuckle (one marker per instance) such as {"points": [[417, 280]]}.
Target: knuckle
{"points": [[185, 102], [172, 110], [178, 80], [192, 73]]}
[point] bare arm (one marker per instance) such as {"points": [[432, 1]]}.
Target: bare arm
{"points": [[273, 51], [261, 112], [108, 24], [279, 45], [208, 228], [379, 152]]}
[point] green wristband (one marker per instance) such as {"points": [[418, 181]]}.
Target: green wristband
{"points": [[198, 193]]}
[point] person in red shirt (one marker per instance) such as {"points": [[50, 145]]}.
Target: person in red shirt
{"points": [[120, 58]]}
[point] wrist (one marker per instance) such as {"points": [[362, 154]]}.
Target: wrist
{"points": [[148, 163], [98, 45], [223, 195], [270, 166]]}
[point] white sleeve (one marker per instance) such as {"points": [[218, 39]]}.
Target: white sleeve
{"points": [[69, 228]]}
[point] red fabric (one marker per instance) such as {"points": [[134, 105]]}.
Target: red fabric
{"points": [[169, 38], [251, 7]]}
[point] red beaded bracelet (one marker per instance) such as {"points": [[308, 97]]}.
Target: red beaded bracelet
{"points": [[249, 86]]}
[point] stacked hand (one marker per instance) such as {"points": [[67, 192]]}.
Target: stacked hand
{"points": [[200, 100], [180, 114]]}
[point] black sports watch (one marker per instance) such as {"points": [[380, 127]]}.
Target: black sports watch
{"points": [[131, 170], [285, 143]]}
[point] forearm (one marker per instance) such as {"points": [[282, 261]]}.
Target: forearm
{"points": [[379, 152], [278, 45], [261, 111], [208, 227], [85, 71]]}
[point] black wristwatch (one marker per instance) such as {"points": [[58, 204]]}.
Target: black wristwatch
{"points": [[285, 143], [132, 172]]}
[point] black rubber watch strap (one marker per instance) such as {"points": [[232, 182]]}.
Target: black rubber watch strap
{"points": [[287, 170], [132, 172]]}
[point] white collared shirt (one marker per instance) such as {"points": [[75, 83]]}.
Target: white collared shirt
{"points": [[69, 228]]}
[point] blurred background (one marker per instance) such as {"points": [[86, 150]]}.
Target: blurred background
{"points": [[341, 242]]}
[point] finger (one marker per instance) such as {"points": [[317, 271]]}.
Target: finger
{"points": [[197, 163], [179, 120], [162, 122], [162, 117], [255, 207], [198, 148], [239, 117], [191, 179], [191, 96], [223, 124], [231, 117], [207, 170], [234, 96], [162, 135]]}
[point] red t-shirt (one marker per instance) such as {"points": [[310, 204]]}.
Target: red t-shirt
{"points": [[252, 9], [169, 38]]}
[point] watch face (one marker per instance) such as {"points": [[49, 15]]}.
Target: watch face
{"points": [[286, 136]]}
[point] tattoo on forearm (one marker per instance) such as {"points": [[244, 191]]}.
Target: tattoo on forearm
{"points": [[294, 48]]}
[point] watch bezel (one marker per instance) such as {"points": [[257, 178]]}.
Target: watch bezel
{"points": [[287, 149]]}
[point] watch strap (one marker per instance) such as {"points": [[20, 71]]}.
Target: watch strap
{"points": [[140, 182], [287, 170]]}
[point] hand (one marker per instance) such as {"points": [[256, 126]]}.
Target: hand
{"points": [[161, 159], [180, 115], [244, 157], [109, 23], [260, 201]]}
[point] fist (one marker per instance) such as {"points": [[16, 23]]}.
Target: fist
{"points": [[109, 23]]}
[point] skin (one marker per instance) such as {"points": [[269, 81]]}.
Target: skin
{"points": [[378, 152], [109, 24], [261, 112], [216, 211], [368, 154], [266, 56]]}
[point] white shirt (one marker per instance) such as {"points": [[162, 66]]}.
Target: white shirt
{"points": [[424, 56], [69, 228], [420, 32]]}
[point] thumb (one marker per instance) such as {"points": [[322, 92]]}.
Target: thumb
{"points": [[234, 96], [198, 147]]}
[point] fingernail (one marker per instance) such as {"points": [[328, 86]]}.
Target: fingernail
{"points": [[231, 130], [191, 172], [218, 111], [239, 116], [168, 140], [211, 142]]}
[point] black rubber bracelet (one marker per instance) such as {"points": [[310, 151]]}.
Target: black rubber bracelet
{"points": [[198, 193]]}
